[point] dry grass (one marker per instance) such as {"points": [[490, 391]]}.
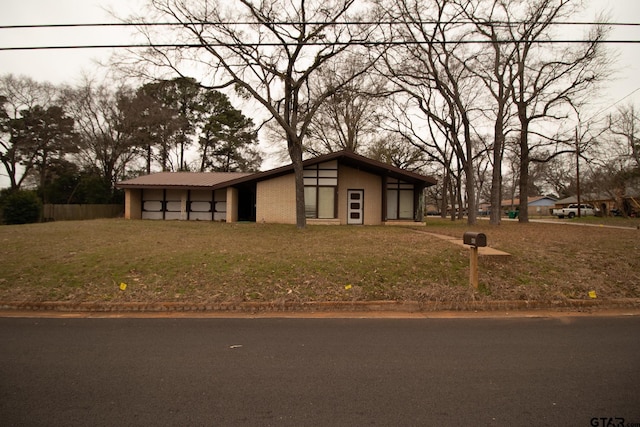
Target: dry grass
{"points": [[212, 262], [558, 261]]}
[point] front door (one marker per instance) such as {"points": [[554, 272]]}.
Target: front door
{"points": [[355, 206]]}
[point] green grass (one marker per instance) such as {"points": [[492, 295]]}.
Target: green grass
{"points": [[214, 262]]}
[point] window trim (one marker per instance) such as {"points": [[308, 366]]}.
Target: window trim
{"points": [[399, 186], [316, 176]]}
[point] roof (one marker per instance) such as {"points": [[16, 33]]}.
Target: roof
{"points": [[584, 198], [350, 159], [214, 180], [530, 200], [182, 180]]}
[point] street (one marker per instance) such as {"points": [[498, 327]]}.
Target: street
{"points": [[569, 371]]}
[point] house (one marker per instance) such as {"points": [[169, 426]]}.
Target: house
{"points": [[600, 201], [536, 206], [339, 188], [608, 204]]}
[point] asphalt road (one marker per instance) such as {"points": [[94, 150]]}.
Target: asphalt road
{"points": [[320, 372]]}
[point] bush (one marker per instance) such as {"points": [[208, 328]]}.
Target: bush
{"points": [[21, 207]]}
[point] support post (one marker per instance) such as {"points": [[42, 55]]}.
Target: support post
{"points": [[473, 267]]}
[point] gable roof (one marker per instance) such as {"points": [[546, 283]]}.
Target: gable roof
{"points": [[530, 200], [348, 158], [584, 198], [214, 180]]}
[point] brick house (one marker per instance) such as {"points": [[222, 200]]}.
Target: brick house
{"points": [[340, 188]]}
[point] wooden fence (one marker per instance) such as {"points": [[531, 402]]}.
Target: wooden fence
{"points": [[80, 212]]}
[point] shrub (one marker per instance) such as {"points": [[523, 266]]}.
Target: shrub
{"points": [[21, 207]]}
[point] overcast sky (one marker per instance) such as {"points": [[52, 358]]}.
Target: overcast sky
{"points": [[66, 66], [59, 66]]}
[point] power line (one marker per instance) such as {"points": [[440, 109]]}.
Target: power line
{"points": [[325, 44], [594, 115], [286, 23]]}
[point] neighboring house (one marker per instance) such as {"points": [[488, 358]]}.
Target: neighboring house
{"points": [[340, 188], [606, 203], [539, 205]]}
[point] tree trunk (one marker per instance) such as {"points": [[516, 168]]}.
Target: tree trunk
{"points": [[295, 152], [472, 210], [149, 159], [496, 195], [11, 173], [182, 165], [458, 213], [523, 215], [496, 177], [453, 191], [472, 214], [446, 184], [204, 158]]}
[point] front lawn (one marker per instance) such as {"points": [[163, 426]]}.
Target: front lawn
{"points": [[204, 262]]}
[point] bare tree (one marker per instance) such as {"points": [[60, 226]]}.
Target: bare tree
{"points": [[618, 169], [270, 52], [430, 65], [558, 175], [626, 125], [432, 137], [350, 119], [23, 93], [548, 80], [107, 139], [491, 65], [391, 149]]}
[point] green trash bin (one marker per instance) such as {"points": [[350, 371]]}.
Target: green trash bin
{"points": [[513, 214]]}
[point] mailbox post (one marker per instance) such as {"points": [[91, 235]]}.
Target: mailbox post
{"points": [[475, 240]]}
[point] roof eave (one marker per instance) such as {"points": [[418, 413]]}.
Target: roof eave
{"points": [[171, 186], [349, 158], [378, 167]]}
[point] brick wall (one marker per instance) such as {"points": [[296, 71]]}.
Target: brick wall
{"points": [[276, 200], [232, 204], [133, 203]]}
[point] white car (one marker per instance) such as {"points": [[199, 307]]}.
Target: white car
{"points": [[572, 211]]}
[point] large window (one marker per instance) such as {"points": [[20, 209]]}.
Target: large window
{"points": [[320, 184], [399, 199]]}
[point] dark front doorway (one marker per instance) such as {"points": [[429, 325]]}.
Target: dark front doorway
{"points": [[247, 203]]}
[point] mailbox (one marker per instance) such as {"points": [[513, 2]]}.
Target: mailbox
{"points": [[474, 239]]}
